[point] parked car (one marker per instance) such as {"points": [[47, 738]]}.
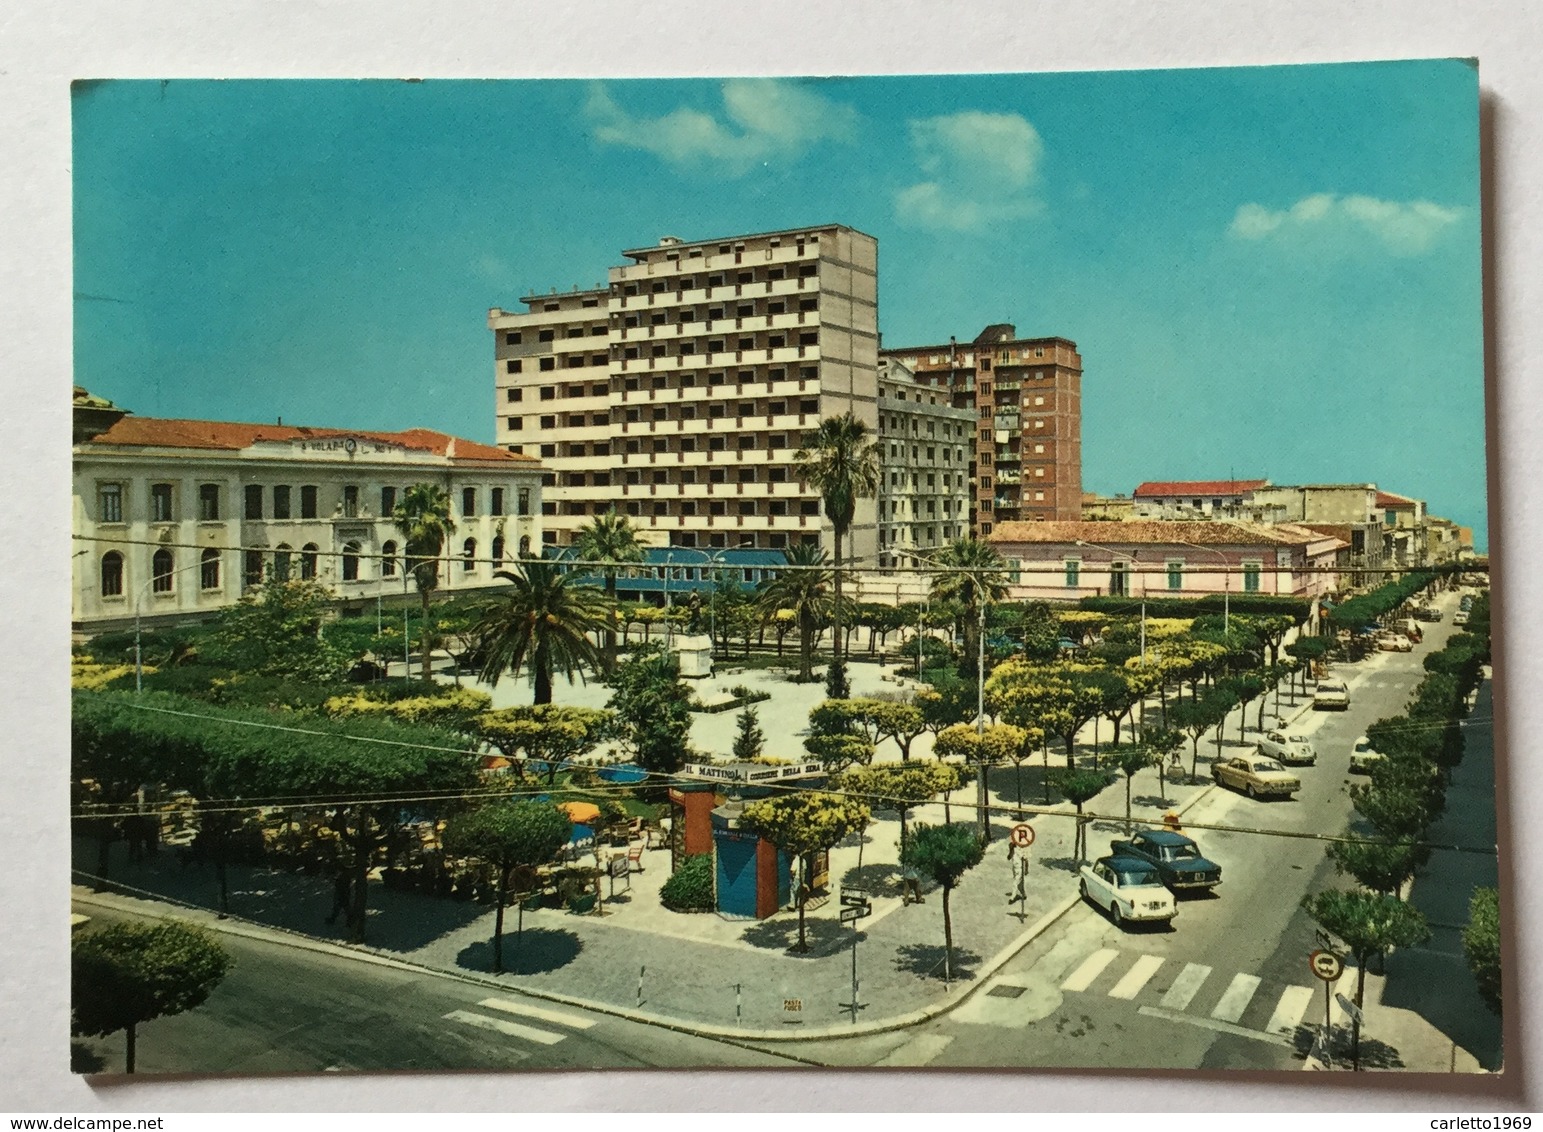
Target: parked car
{"points": [[1128, 888], [1427, 613], [1460, 617], [1293, 750], [1176, 858], [1362, 756], [1394, 642], [1331, 694], [1256, 776]]}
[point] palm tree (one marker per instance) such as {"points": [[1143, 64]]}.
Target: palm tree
{"points": [[976, 573], [841, 462], [807, 592], [546, 620], [423, 518], [612, 541]]}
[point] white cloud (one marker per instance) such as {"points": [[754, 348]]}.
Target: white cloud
{"points": [[1404, 228], [981, 169], [762, 119]]}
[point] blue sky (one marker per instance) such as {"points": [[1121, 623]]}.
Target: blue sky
{"points": [[1269, 272]]}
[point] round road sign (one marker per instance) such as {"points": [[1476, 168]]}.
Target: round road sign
{"points": [[1022, 835], [1326, 965]]}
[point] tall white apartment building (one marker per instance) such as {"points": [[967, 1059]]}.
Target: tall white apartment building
{"points": [[679, 393], [925, 445]]}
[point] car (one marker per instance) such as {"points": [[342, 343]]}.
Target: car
{"points": [[1460, 617], [1176, 858], [1331, 694], [1394, 642], [1293, 750], [1128, 888], [1427, 613], [1362, 756], [1256, 776]]}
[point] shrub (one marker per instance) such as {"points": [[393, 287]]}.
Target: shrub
{"points": [[690, 889]]}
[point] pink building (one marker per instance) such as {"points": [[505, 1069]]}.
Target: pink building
{"points": [[1067, 561]]}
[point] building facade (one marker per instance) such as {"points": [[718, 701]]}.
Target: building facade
{"points": [[178, 518], [924, 452], [1026, 397], [1184, 500], [1144, 558], [679, 392]]}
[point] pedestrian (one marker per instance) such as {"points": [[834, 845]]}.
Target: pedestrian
{"points": [[911, 890], [342, 890]]}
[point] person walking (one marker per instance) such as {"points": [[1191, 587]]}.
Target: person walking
{"points": [[342, 890]]}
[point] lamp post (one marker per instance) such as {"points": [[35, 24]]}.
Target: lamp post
{"points": [[669, 626], [1113, 554], [1226, 581]]}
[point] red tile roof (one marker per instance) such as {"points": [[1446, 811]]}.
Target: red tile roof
{"points": [[1198, 487], [1386, 500], [1156, 532], [150, 432]]}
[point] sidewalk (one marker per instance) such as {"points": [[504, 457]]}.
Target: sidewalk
{"points": [[701, 972]]}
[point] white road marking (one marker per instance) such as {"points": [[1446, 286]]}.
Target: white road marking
{"points": [[1214, 1024], [539, 1013], [1093, 966], [1141, 970], [1236, 998], [919, 1050], [1289, 1010], [512, 1029], [1185, 986]]}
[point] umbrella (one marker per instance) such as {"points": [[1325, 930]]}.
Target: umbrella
{"points": [[580, 811]]}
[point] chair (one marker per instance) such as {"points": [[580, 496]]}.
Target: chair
{"points": [[635, 859]]}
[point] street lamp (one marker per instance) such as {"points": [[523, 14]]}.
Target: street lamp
{"points": [[1226, 579], [1113, 554], [669, 626]]}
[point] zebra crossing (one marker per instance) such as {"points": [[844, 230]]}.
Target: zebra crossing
{"points": [[502, 1022], [1192, 994]]}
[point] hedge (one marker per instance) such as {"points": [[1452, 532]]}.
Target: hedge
{"points": [[1242, 604]]}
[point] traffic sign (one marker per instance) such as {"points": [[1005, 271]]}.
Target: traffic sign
{"points": [[1351, 1009], [1326, 965], [1021, 835], [855, 912], [853, 897]]}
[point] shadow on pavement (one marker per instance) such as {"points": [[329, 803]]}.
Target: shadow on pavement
{"points": [[926, 961], [1065, 864], [879, 880], [822, 936], [536, 951]]}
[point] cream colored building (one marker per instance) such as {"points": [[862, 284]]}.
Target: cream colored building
{"points": [[679, 392], [177, 518], [925, 446]]}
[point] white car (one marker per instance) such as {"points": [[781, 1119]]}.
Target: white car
{"points": [[1460, 617], [1362, 756], [1293, 750], [1331, 694], [1128, 889]]}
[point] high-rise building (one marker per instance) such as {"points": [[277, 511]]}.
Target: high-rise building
{"points": [[1026, 396], [679, 392], [924, 453]]}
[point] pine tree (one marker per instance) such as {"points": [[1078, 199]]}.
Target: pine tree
{"points": [[750, 741]]}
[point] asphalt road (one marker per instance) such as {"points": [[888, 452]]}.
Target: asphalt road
{"points": [[285, 1010], [1228, 986]]}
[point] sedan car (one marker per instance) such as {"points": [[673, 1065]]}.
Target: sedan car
{"points": [[1427, 613], [1460, 617], [1394, 642], [1176, 858], [1331, 694], [1293, 750], [1128, 889], [1362, 756], [1256, 776]]}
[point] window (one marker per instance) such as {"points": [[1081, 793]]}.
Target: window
{"points": [[208, 502], [469, 556], [254, 501], [252, 568], [513, 365], [514, 394], [468, 502], [112, 574], [1251, 577], [281, 563], [351, 501], [160, 503], [498, 552], [496, 501], [209, 570], [1073, 572], [1119, 579], [549, 450], [522, 502], [1176, 574], [281, 503], [545, 335], [388, 559], [511, 338], [308, 502], [350, 561], [307, 561], [109, 503]]}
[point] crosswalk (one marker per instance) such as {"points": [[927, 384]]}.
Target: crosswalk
{"points": [[1188, 992], [505, 1010]]}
